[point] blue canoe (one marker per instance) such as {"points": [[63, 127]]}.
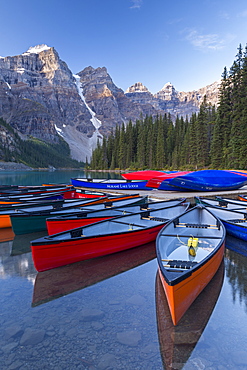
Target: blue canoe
{"points": [[165, 185], [110, 184], [235, 221], [208, 180]]}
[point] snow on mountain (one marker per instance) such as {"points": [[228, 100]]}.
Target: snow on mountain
{"points": [[37, 49], [95, 121]]}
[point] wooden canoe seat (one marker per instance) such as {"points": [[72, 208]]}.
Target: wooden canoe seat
{"points": [[223, 203], [160, 219], [197, 226], [189, 236], [76, 233], [144, 207], [176, 223], [57, 206], [146, 216], [179, 264], [108, 204], [238, 220]]}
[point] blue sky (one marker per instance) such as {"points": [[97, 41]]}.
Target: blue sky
{"points": [[187, 43]]}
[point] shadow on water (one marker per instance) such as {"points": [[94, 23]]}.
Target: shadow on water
{"points": [[64, 280], [177, 342], [21, 243]]}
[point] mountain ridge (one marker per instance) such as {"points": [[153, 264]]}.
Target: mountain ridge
{"points": [[41, 97]]}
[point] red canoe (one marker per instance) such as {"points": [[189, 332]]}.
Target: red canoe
{"points": [[94, 214], [157, 180], [101, 238], [141, 175]]}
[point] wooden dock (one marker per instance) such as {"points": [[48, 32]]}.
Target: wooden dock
{"points": [[189, 195]]}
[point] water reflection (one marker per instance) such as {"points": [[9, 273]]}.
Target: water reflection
{"points": [[56, 177], [21, 243], [236, 268], [236, 245], [6, 234], [61, 281], [110, 324], [19, 265], [177, 342]]}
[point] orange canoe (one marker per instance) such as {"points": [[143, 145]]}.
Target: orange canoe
{"points": [[189, 250], [178, 342]]}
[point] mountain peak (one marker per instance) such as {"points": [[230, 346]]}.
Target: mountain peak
{"points": [[167, 86], [37, 49], [137, 87]]}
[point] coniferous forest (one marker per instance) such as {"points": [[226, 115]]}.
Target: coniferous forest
{"points": [[215, 137], [34, 152]]}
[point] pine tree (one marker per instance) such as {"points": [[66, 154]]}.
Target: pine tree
{"points": [[243, 108], [160, 144], [141, 149], [235, 136], [202, 139], [122, 149], [129, 144], [222, 126]]}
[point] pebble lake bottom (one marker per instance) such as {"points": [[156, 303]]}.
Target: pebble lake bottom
{"points": [[109, 313]]}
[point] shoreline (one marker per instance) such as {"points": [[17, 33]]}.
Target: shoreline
{"points": [[13, 166]]}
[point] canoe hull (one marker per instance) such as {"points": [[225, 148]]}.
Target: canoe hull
{"points": [[178, 342], [189, 251], [235, 221], [34, 222], [122, 185], [209, 180], [56, 226], [156, 181], [53, 255], [5, 221], [235, 230], [242, 197], [142, 175], [182, 295]]}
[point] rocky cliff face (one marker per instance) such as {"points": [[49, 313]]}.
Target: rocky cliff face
{"points": [[169, 100], [111, 106], [39, 96]]}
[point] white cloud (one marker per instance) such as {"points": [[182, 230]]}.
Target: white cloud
{"points": [[207, 42], [136, 4]]}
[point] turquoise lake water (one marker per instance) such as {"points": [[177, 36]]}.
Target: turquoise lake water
{"points": [[110, 313]]}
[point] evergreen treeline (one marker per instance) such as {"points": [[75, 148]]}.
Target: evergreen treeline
{"points": [[212, 138], [34, 152]]}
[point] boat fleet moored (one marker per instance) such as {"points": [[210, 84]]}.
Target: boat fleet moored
{"points": [[180, 181], [83, 225]]}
